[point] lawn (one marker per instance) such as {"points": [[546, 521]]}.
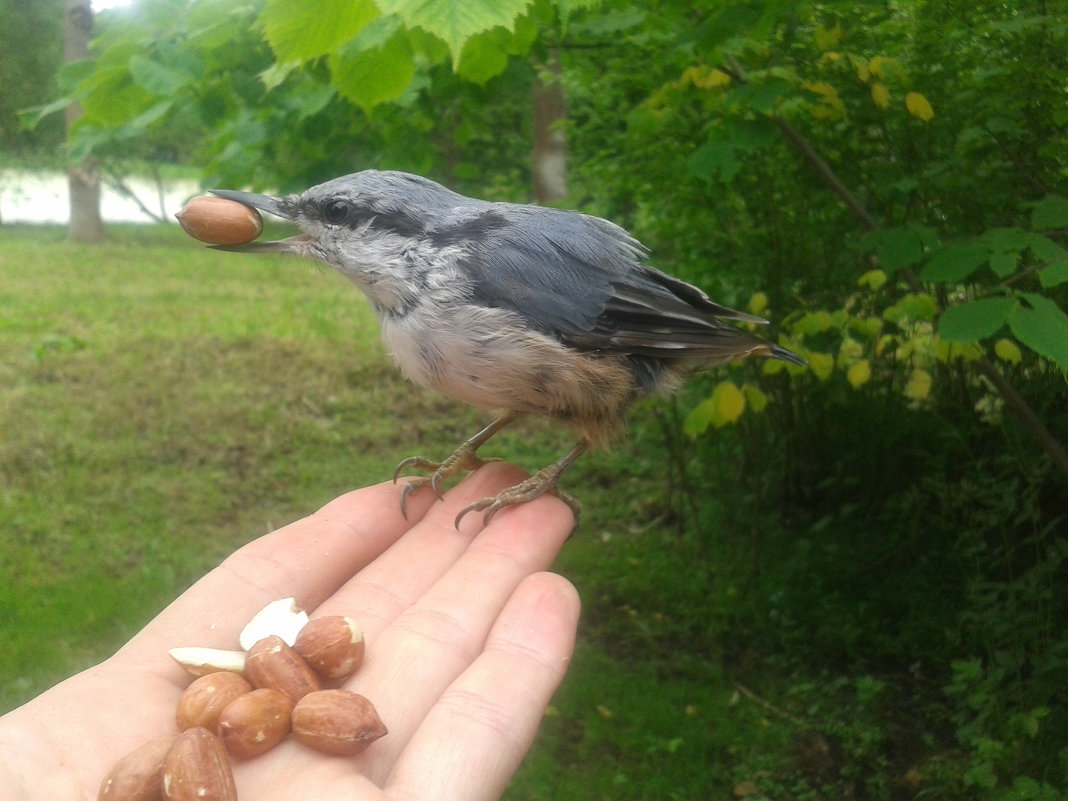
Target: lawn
{"points": [[161, 404]]}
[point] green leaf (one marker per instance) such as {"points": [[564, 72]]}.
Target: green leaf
{"points": [[896, 248], [1053, 274], [300, 31], [699, 419], [368, 76], [762, 97], [157, 78], [752, 135], [714, 158], [954, 262], [142, 121], [973, 321], [569, 7], [115, 98], [1004, 240], [755, 398], [1043, 328], [455, 21], [29, 118], [311, 99], [873, 279], [1050, 213], [85, 139], [1004, 264], [276, 74], [918, 306], [73, 73], [484, 56], [1046, 249], [812, 323]]}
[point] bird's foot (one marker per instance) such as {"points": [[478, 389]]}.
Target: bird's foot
{"points": [[542, 482], [463, 459]]}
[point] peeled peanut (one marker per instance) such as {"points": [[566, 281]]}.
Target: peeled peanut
{"points": [[332, 645], [199, 661], [138, 776], [197, 768], [337, 722], [219, 221], [272, 663], [204, 700], [255, 722], [282, 617]]}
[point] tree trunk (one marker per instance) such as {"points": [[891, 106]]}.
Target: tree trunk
{"points": [[84, 178], [549, 159]]}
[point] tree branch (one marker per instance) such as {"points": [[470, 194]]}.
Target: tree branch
{"points": [[115, 181]]}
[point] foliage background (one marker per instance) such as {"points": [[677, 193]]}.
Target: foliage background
{"points": [[868, 553]]}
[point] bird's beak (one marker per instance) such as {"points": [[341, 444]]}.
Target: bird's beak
{"points": [[272, 205]]}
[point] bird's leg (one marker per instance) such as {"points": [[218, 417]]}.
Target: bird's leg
{"points": [[463, 458], [538, 484]]}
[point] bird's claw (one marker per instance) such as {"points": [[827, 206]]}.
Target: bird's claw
{"points": [[533, 487], [418, 462], [462, 459]]}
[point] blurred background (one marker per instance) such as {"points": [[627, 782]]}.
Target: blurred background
{"points": [[845, 581]]}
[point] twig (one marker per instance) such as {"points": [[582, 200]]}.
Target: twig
{"points": [[770, 706], [116, 182]]}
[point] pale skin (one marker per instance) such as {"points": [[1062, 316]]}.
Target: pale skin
{"points": [[467, 639]]}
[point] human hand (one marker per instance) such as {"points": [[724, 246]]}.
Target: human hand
{"points": [[467, 641]]}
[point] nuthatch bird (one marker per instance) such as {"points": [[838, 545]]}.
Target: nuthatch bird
{"points": [[509, 307]]}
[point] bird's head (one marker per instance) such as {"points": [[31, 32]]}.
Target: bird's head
{"points": [[363, 225]]}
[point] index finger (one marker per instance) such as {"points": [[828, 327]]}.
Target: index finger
{"points": [[308, 559]]}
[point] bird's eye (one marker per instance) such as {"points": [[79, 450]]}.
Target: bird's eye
{"points": [[335, 211]]}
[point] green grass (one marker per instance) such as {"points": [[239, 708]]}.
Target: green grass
{"points": [[162, 404]]}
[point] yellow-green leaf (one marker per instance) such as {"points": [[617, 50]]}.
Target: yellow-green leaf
{"points": [[859, 373], [452, 21], [872, 279], [919, 106], [1007, 351], [919, 385], [755, 397], [820, 88], [301, 31], [758, 303], [812, 323], [699, 418], [861, 66], [849, 351], [885, 68], [880, 95], [827, 36], [867, 327], [821, 364], [703, 76], [728, 403]]}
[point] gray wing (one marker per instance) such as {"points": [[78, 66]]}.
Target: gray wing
{"points": [[582, 280]]}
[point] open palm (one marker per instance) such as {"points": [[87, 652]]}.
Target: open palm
{"points": [[467, 639]]}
